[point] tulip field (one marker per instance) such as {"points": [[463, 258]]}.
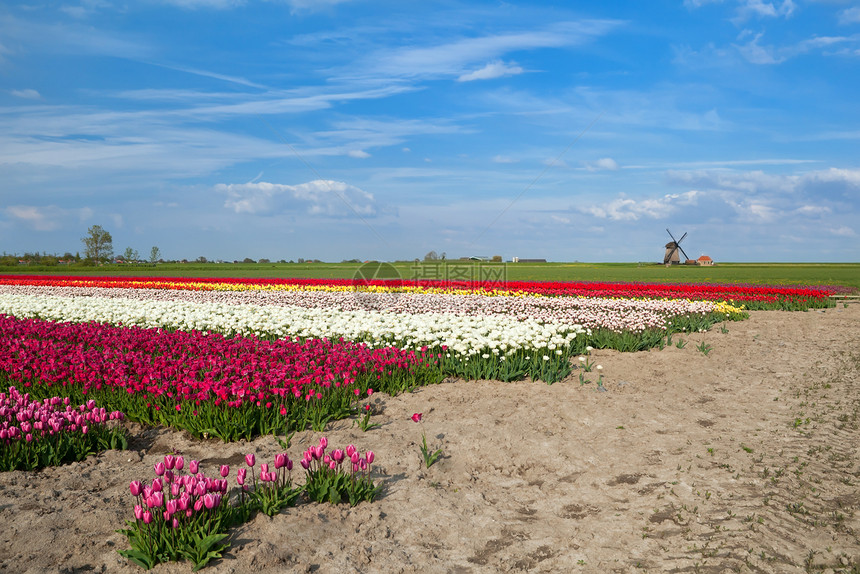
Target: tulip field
{"points": [[240, 358]]}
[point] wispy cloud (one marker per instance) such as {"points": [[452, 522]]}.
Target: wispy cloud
{"points": [[605, 163], [496, 69], [27, 94], [454, 58], [756, 53]]}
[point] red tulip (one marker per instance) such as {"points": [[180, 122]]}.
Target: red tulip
{"points": [[417, 417]]}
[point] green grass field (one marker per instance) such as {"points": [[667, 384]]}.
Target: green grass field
{"points": [[846, 274]]}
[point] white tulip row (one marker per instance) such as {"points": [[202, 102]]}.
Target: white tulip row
{"points": [[591, 312], [462, 334]]}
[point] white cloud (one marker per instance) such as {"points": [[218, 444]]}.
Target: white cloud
{"points": [[606, 163], [627, 209], [762, 9], [357, 153], [850, 15], [496, 69], [193, 4], [699, 3], [28, 94], [46, 218], [504, 159], [843, 231], [756, 54], [319, 197]]}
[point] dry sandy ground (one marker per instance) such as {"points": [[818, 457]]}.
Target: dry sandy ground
{"points": [[741, 460]]}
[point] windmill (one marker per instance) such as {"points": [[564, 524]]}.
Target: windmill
{"points": [[671, 257]]}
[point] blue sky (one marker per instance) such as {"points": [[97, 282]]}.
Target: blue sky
{"points": [[341, 129]]}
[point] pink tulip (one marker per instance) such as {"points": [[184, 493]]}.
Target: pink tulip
{"points": [[337, 455], [156, 485], [355, 457], [194, 467], [135, 487], [159, 468], [175, 488], [225, 470], [370, 457], [250, 459], [332, 465], [305, 463], [169, 461], [264, 468], [175, 523], [147, 517], [180, 463], [210, 500], [323, 442], [155, 500], [280, 460], [350, 450], [198, 505], [138, 511], [289, 464]]}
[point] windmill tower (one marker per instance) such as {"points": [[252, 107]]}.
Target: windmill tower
{"points": [[671, 257]]}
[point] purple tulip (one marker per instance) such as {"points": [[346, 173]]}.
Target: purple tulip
{"points": [[289, 464]]}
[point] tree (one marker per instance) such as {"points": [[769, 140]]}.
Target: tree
{"points": [[98, 244], [154, 254], [432, 256], [131, 255]]}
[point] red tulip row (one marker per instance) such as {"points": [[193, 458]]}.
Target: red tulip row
{"points": [[713, 292], [189, 379]]}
